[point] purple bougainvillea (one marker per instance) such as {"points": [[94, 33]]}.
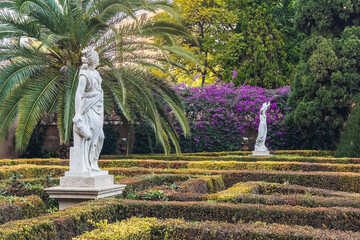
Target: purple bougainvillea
{"points": [[220, 115]]}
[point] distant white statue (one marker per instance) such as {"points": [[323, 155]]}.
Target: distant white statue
{"points": [[89, 114], [262, 131]]}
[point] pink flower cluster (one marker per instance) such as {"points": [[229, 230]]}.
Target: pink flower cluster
{"points": [[221, 114]]}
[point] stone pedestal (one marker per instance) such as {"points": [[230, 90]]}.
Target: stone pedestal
{"points": [[76, 187], [261, 154]]}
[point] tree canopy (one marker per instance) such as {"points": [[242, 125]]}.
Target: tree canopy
{"points": [[40, 75], [327, 77]]}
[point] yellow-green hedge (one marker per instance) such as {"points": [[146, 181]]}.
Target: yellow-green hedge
{"points": [[207, 165], [34, 161], [303, 153], [14, 208], [328, 180], [132, 228], [32, 171], [274, 166], [280, 194], [74, 221], [176, 229], [184, 161]]}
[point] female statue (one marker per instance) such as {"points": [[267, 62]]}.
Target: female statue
{"points": [[89, 112], [262, 131]]}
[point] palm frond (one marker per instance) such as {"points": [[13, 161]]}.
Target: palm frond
{"points": [[7, 31], [39, 97], [165, 6], [39, 10], [117, 91], [57, 32], [108, 9], [14, 74], [6, 3], [66, 107], [9, 109], [25, 24]]}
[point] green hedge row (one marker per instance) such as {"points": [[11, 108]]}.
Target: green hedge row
{"points": [[275, 158], [184, 161], [280, 194], [292, 200], [34, 161], [208, 165], [302, 153], [14, 208], [347, 182], [175, 229], [74, 221], [144, 182], [32, 171], [335, 181], [274, 166]]}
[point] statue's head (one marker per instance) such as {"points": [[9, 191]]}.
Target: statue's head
{"points": [[90, 57]]}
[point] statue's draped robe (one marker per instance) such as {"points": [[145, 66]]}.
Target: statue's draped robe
{"points": [[92, 111]]}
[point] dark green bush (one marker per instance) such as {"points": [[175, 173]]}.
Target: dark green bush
{"points": [[349, 145], [74, 221]]}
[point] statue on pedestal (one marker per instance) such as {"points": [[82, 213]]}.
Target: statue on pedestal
{"points": [[89, 115], [262, 131], [85, 180]]}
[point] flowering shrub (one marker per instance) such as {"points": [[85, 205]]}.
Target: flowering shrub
{"points": [[221, 115]]}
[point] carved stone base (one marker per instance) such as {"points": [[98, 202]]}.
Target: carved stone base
{"points": [[261, 154], [76, 189]]}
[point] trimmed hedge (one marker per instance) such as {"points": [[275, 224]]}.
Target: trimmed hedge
{"points": [[347, 182], [32, 171], [269, 188], [303, 153], [263, 193], [274, 166], [208, 165], [34, 161], [152, 228], [292, 200], [279, 158], [14, 208], [144, 182], [184, 161], [74, 221]]}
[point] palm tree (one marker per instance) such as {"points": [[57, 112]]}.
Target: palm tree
{"points": [[40, 75]]}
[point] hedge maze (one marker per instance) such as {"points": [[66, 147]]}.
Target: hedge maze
{"points": [[228, 195]]}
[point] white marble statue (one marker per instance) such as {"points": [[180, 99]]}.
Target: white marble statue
{"points": [[89, 114], [262, 131]]}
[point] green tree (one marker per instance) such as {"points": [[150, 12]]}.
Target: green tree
{"points": [[350, 140], [40, 75], [256, 50], [211, 23], [328, 75]]}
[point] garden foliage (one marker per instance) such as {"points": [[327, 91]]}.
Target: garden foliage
{"points": [[40, 65], [14, 208], [176, 229], [350, 140], [328, 77], [255, 53], [221, 114], [74, 221]]}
